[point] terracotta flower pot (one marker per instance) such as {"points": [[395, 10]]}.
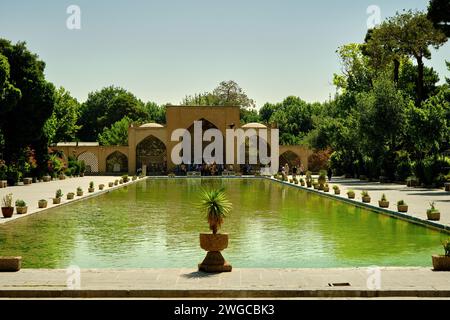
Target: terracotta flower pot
{"points": [[7, 212], [441, 263], [56, 200], [383, 204], [351, 196], [42, 204], [402, 208], [101, 187], [366, 199], [21, 210], [337, 192], [10, 264], [214, 262], [91, 190], [433, 215], [79, 193], [70, 196], [110, 184]]}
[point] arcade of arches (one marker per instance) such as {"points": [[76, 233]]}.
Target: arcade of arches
{"points": [[150, 146]]}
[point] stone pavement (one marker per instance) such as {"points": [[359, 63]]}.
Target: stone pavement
{"points": [[31, 194], [240, 283], [418, 199]]}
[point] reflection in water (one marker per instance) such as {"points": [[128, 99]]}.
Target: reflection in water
{"points": [[155, 224]]}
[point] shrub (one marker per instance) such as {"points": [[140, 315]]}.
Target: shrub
{"points": [[58, 193], [20, 203], [319, 160], [401, 203], [383, 197], [7, 201], [365, 193], [91, 184], [446, 245], [79, 189]]}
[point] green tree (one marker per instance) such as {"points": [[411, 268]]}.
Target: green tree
{"points": [[117, 134], [439, 14], [417, 36], [26, 101], [62, 125], [104, 108], [155, 113]]}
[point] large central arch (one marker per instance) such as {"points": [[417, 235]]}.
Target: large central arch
{"points": [[152, 153], [206, 125]]}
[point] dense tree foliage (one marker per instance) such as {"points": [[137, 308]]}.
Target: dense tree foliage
{"points": [[26, 102], [62, 125]]}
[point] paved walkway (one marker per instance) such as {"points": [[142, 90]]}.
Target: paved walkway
{"points": [[31, 194], [241, 283], [418, 199]]}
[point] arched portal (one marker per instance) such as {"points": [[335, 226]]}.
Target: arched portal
{"points": [[90, 160], [117, 162], [206, 125], [291, 159], [152, 153]]}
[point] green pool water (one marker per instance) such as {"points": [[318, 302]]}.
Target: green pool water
{"points": [[155, 224]]}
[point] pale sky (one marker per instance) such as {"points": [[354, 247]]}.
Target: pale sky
{"points": [[163, 50]]}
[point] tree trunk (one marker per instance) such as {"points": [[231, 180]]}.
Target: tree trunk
{"points": [[396, 70], [420, 68]]}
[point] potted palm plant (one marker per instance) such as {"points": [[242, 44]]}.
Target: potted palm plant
{"points": [[302, 182], [70, 196], [351, 194], [383, 203], [42, 204], [433, 214], [295, 181], [58, 196], [125, 178], [79, 192], [101, 186], [7, 208], [365, 197], [110, 184], [116, 182], [336, 189], [91, 187], [442, 263], [216, 206], [402, 206], [326, 187], [21, 207]]}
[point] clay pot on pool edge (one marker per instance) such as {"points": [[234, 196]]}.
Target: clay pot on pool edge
{"points": [[214, 262], [433, 215], [383, 204], [441, 263], [7, 212]]}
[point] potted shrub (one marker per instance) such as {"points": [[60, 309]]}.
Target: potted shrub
{"points": [[336, 189], [46, 178], [125, 178], [365, 197], [7, 208], [216, 206], [111, 184], [309, 180], [170, 175], [70, 196], [82, 168], [116, 182], [79, 192], [402, 206], [58, 196], [442, 263], [134, 178], [295, 180], [42, 204], [302, 182], [21, 207], [121, 181], [101, 186], [322, 179], [351, 194], [315, 185], [326, 187], [91, 187], [433, 214], [383, 203]]}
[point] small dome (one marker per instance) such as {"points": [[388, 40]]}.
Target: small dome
{"points": [[254, 125], [151, 125]]}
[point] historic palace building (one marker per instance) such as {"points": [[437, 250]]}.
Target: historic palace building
{"points": [[150, 146]]}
